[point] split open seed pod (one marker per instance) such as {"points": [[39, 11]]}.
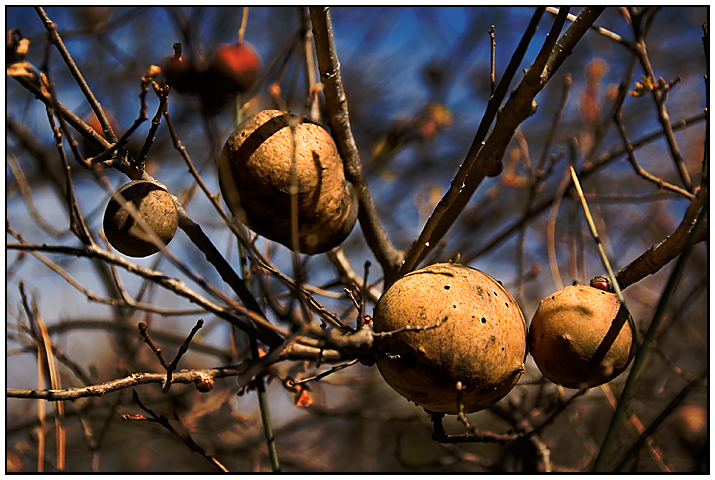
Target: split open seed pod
{"points": [[574, 338], [256, 174], [458, 337], [156, 208]]}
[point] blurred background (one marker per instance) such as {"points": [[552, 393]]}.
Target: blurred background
{"points": [[417, 82]]}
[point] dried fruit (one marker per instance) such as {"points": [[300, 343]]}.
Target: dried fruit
{"points": [[255, 179], [566, 337], [156, 207], [463, 326]]}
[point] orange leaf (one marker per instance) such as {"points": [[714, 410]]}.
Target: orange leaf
{"points": [[302, 398]]}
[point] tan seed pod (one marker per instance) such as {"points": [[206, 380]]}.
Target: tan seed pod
{"points": [[478, 339], [156, 207], [567, 330], [255, 179]]}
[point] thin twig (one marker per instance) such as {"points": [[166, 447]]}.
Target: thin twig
{"points": [[176, 286], [184, 436], [587, 170], [646, 435], [640, 170], [242, 28], [603, 31], [492, 75], [292, 383], [637, 428], [518, 108], [86, 91]]}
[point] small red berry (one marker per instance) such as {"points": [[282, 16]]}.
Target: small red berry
{"points": [[90, 148], [602, 283], [235, 67], [366, 319]]}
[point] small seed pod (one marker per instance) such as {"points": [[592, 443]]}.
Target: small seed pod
{"points": [[255, 178], [459, 338], [573, 341], [156, 207]]}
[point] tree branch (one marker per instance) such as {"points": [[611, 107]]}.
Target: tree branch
{"points": [[660, 254], [386, 254], [518, 108]]}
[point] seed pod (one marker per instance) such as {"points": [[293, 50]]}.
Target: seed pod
{"points": [[566, 337], [465, 339], [156, 207], [255, 179]]}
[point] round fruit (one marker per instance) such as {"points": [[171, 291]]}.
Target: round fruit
{"points": [[255, 179], [181, 74], [235, 67], [91, 149], [459, 325], [566, 337], [156, 207]]}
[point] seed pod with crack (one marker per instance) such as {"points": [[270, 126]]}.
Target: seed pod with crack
{"points": [[256, 176]]}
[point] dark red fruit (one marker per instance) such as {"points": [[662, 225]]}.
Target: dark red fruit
{"points": [[495, 169], [181, 74], [92, 149], [235, 67], [602, 282]]}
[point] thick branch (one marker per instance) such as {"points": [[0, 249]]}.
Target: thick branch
{"points": [[389, 257], [518, 108]]}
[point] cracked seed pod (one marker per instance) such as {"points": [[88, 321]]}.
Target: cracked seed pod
{"points": [[154, 204], [567, 330], [482, 342], [255, 179]]}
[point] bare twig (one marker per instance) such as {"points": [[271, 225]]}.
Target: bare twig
{"points": [[492, 75], [47, 370], [646, 435], [292, 383], [183, 436], [664, 118], [57, 41], [176, 286], [637, 428], [587, 170], [26, 192], [603, 31]]}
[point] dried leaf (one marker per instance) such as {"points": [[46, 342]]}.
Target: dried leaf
{"points": [[21, 69]]}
